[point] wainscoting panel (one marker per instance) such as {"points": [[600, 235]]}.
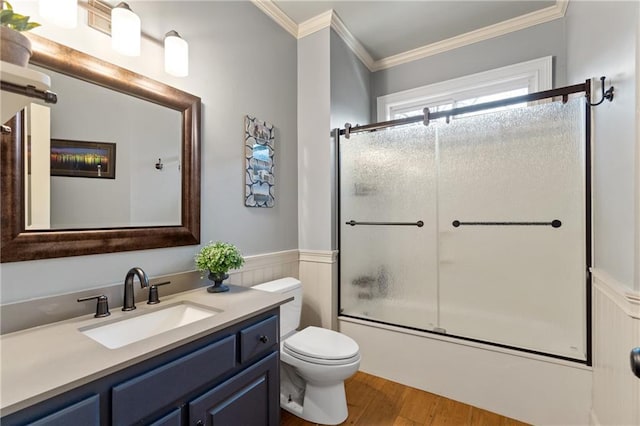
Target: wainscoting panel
{"points": [[319, 276], [266, 267], [616, 330]]}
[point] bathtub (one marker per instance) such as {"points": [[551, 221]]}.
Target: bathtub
{"points": [[527, 386]]}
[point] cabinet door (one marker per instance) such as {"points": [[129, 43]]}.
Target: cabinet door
{"points": [[250, 398]]}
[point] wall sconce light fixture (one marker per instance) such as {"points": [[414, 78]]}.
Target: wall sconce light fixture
{"points": [[176, 55], [122, 25], [63, 13], [125, 30]]}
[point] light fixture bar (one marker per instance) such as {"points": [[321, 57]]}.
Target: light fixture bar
{"points": [[99, 18]]}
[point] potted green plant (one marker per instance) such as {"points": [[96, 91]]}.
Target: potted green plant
{"points": [[217, 258], [15, 47]]}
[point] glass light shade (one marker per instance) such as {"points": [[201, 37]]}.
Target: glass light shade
{"points": [[176, 55], [63, 13], [125, 30]]}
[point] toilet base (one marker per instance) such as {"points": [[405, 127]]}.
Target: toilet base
{"points": [[325, 405]]}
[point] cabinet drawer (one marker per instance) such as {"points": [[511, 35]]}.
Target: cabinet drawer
{"points": [[258, 338], [141, 396]]}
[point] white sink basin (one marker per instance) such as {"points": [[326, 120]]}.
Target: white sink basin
{"points": [[129, 330]]}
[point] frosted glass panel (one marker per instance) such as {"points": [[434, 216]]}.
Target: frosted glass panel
{"points": [[387, 272], [522, 286]]}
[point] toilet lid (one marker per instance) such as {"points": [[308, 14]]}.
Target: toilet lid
{"points": [[321, 343]]}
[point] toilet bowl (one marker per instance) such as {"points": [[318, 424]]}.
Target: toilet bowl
{"points": [[314, 362]]}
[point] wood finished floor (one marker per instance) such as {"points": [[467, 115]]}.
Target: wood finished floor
{"points": [[373, 401]]}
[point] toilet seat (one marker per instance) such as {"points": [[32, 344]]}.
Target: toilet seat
{"points": [[322, 346]]}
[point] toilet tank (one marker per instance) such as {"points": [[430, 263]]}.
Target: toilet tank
{"points": [[290, 311]]}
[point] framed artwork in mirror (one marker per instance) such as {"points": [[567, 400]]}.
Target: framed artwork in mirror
{"points": [[259, 137], [83, 159]]}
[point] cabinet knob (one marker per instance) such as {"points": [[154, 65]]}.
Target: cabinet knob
{"points": [[264, 339], [199, 423]]}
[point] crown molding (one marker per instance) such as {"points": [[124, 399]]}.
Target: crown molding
{"points": [[331, 19], [356, 47], [505, 27], [314, 24], [275, 13]]}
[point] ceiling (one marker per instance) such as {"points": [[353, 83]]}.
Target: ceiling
{"points": [[388, 28]]}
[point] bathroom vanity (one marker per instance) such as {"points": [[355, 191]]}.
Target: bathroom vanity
{"points": [[223, 369]]}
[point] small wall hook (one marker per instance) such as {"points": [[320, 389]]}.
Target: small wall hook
{"points": [[159, 164], [608, 94]]}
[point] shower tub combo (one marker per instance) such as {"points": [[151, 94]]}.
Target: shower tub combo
{"points": [[473, 235]]}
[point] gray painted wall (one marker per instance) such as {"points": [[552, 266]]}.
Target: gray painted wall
{"points": [[612, 53], [531, 43], [241, 62], [314, 147], [350, 86], [350, 101]]}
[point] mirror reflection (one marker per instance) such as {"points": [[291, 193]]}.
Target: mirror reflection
{"points": [[103, 146], [85, 210]]}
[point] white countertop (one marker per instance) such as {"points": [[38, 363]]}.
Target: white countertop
{"points": [[42, 362]]}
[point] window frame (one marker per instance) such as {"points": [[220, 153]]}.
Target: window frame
{"points": [[535, 74]]}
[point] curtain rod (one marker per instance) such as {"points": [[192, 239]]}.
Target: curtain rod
{"points": [[427, 116]]}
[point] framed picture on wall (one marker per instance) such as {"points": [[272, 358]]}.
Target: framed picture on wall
{"points": [[83, 159], [259, 179]]}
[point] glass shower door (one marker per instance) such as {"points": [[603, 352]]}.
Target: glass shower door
{"points": [[388, 264], [519, 284]]}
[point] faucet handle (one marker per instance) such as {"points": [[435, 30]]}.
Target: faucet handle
{"points": [[153, 293], [102, 307]]}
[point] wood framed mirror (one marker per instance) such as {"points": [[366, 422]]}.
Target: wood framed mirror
{"points": [[19, 242]]}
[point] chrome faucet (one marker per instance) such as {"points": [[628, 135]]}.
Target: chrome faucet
{"points": [[129, 303]]}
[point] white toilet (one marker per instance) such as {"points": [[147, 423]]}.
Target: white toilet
{"points": [[314, 362]]}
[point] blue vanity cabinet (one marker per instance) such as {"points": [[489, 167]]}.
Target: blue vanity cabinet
{"points": [[228, 377]]}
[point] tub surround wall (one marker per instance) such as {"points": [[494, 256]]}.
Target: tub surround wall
{"points": [[616, 330], [45, 310], [616, 198]]}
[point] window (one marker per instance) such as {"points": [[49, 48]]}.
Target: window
{"points": [[500, 83]]}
